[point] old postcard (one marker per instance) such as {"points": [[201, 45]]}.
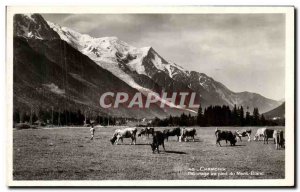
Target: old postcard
{"points": [[150, 96]]}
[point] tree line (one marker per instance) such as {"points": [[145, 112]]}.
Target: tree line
{"points": [[218, 116], [64, 118], [210, 116]]}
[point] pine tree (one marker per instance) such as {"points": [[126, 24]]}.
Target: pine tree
{"points": [[248, 119], [234, 116], [170, 123], [16, 116], [241, 116], [200, 117], [263, 120], [183, 120], [255, 117]]}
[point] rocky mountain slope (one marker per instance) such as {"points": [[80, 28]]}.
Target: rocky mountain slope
{"points": [[278, 112], [58, 64]]}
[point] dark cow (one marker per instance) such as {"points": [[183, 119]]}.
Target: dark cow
{"points": [[166, 132], [142, 132], [243, 133], [268, 133], [279, 139], [119, 134], [158, 139], [146, 131], [225, 135], [173, 132], [187, 132]]}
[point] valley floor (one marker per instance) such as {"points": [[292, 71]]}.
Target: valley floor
{"points": [[69, 154]]}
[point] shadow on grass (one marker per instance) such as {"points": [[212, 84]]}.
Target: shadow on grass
{"points": [[233, 146], [188, 141], [132, 144], [191, 141], [142, 144], [175, 152]]}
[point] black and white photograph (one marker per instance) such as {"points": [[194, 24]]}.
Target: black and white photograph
{"points": [[169, 96]]}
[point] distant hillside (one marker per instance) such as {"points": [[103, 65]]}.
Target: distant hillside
{"points": [[277, 112]]}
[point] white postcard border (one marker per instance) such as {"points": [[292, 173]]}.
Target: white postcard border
{"points": [[289, 93]]}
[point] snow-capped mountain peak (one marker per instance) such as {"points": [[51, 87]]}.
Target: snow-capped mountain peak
{"points": [[113, 50], [33, 26]]}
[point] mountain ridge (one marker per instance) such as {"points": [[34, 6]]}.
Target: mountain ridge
{"points": [[143, 69]]}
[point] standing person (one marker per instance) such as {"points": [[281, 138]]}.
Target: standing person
{"points": [[92, 130]]}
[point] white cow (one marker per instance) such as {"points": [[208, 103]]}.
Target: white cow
{"points": [[259, 133], [119, 134]]}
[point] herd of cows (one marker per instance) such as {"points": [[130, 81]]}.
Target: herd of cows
{"points": [[158, 137]]}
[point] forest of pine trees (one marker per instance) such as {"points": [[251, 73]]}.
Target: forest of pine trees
{"points": [[210, 116], [218, 116], [65, 117]]}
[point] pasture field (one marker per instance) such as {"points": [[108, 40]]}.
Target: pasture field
{"points": [[69, 154]]}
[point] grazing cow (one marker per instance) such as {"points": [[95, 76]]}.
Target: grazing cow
{"points": [[146, 131], [119, 134], [268, 133], [243, 133], [259, 133], [142, 132], [173, 132], [225, 135], [279, 139], [187, 132], [158, 139]]}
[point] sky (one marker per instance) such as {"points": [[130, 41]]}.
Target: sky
{"points": [[245, 52]]}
